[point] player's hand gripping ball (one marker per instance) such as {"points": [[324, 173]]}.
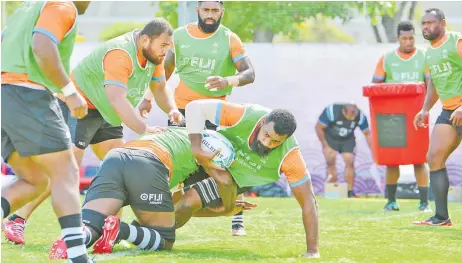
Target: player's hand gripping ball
{"points": [[213, 141]]}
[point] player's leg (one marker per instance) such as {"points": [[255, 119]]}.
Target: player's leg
{"points": [[17, 221], [330, 155], [200, 195], [422, 175], [444, 140], [106, 196], [347, 150], [85, 131], [237, 221], [30, 183], [349, 158], [392, 175], [151, 201], [39, 132]]}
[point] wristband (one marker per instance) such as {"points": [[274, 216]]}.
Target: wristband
{"points": [[148, 95], [233, 80], [69, 89]]}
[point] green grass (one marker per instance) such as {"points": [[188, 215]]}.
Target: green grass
{"points": [[351, 231]]}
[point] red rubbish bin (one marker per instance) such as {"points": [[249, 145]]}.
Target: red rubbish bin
{"points": [[393, 107]]}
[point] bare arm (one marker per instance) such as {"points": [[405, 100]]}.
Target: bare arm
{"points": [[367, 134], [169, 64], [432, 97], [321, 134], [117, 98], [48, 59], [163, 96], [307, 201], [246, 72], [227, 189]]}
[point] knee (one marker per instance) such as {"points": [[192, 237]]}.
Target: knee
{"points": [[168, 245], [349, 161], [330, 160], [436, 159]]}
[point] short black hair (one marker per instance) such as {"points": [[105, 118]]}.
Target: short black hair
{"points": [[284, 122], [200, 2], [156, 27], [438, 13], [405, 26]]}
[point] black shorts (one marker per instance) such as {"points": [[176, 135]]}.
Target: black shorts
{"points": [[134, 176], [444, 119], [208, 124], [32, 122], [342, 145], [93, 129]]}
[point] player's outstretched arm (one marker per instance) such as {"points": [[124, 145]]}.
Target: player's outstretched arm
{"points": [[307, 200], [164, 99], [119, 102]]}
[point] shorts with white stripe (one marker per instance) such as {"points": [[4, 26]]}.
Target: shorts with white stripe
{"points": [[208, 192]]}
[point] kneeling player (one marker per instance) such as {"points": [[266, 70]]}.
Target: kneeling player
{"points": [[139, 175]]}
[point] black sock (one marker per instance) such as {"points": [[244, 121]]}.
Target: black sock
{"points": [[94, 222], [439, 181], [14, 217], [71, 228], [423, 192], [5, 208], [391, 192]]}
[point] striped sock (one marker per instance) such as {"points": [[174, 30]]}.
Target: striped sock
{"points": [[142, 237], [71, 229], [238, 220]]}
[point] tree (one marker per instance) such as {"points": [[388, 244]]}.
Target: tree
{"points": [[390, 13], [263, 20], [256, 21]]}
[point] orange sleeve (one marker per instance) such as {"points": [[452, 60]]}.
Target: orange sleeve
{"points": [[379, 73], [230, 113], [459, 47], [294, 168], [159, 73], [117, 66], [56, 19], [237, 48]]}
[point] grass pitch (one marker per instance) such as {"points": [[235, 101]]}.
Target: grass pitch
{"points": [[351, 231]]}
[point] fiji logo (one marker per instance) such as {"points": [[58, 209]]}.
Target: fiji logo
{"points": [[444, 54], [214, 48], [353, 124]]}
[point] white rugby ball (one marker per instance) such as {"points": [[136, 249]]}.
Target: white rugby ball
{"points": [[212, 141]]}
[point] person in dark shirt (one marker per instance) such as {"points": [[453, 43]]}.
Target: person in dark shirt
{"points": [[335, 129]]}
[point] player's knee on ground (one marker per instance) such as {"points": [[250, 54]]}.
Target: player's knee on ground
{"points": [[94, 221], [167, 235], [148, 237]]}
